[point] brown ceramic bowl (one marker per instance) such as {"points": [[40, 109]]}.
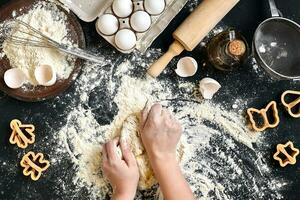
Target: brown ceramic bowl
{"points": [[40, 93]]}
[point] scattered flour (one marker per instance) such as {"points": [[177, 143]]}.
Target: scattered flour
{"points": [[221, 161], [48, 19]]}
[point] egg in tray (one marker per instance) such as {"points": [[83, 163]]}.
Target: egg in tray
{"points": [[127, 24]]}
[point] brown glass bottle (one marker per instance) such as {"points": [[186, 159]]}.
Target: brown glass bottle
{"points": [[227, 50]]}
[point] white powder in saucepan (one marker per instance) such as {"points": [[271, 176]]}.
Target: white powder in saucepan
{"points": [[48, 19]]}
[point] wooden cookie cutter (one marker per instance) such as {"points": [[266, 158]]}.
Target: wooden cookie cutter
{"points": [[34, 165], [18, 136], [289, 106], [290, 159], [263, 113]]}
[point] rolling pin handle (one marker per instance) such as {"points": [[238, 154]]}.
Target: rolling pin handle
{"points": [[156, 68]]}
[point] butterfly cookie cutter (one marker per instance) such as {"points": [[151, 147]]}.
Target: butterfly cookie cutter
{"points": [[291, 105], [18, 135], [263, 113], [290, 158], [34, 165]]}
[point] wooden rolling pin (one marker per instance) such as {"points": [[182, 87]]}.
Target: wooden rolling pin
{"points": [[194, 28]]}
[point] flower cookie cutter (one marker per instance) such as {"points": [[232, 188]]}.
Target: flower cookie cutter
{"points": [[263, 113], [291, 105], [290, 158], [18, 135], [34, 165]]}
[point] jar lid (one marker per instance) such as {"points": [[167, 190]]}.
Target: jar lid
{"points": [[237, 47]]}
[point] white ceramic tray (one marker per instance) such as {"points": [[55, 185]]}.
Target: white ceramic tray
{"points": [[92, 9]]}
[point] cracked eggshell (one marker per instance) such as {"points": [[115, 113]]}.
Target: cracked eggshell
{"points": [[14, 78], [45, 75], [186, 67], [208, 87]]}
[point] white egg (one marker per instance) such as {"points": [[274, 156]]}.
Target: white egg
{"points": [[154, 7], [125, 39], [208, 87], [186, 66], [140, 21], [14, 78], [107, 24], [45, 75], [122, 8]]}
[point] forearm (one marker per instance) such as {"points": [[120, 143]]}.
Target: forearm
{"points": [[171, 180], [117, 195]]}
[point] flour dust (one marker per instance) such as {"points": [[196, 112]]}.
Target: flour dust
{"points": [[221, 161]]}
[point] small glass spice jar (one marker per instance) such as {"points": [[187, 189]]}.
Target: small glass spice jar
{"points": [[227, 50]]}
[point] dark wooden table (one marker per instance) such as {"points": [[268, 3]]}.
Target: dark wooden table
{"points": [[244, 17]]}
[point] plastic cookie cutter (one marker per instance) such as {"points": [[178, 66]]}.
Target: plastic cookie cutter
{"points": [[290, 156], [266, 121], [290, 106], [22, 134], [34, 165]]}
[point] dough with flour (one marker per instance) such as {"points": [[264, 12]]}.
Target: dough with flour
{"points": [[130, 133]]}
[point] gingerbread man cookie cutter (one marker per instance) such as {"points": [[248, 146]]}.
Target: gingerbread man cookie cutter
{"points": [[263, 113], [290, 158], [18, 136], [291, 105], [34, 165]]}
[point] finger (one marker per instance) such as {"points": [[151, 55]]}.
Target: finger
{"points": [[144, 115], [166, 113], [155, 111], [104, 153], [116, 140], [111, 147], [127, 153], [179, 126]]}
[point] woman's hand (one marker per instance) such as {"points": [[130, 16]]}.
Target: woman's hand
{"points": [[122, 173], [160, 133]]}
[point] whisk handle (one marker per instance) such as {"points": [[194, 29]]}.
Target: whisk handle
{"points": [[80, 53]]}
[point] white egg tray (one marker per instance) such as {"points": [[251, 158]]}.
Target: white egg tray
{"points": [[90, 10]]}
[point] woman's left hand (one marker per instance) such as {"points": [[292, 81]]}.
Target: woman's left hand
{"points": [[122, 173]]}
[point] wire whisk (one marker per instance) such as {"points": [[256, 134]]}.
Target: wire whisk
{"points": [[20, 33]]}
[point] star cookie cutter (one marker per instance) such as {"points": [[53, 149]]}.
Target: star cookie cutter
{"points": [[290, 158], [263, 113], [19, 136], [34, 165], [291, 105]]}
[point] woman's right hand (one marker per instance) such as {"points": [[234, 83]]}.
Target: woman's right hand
{"points": [[160, 133]]}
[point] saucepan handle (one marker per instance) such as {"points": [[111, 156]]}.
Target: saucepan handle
{"points": [[274, 11]]}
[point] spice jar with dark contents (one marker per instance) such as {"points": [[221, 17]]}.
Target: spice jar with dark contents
{"points": [[227, 50]]}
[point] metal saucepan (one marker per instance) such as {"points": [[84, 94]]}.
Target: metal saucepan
{"points": [[276, 46]]}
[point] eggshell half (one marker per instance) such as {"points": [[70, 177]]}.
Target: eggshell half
{"points": [[208, 87], [14, 78], [45, 75], [186, 67]]}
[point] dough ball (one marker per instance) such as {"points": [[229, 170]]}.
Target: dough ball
{"points": [[130, 133]]}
